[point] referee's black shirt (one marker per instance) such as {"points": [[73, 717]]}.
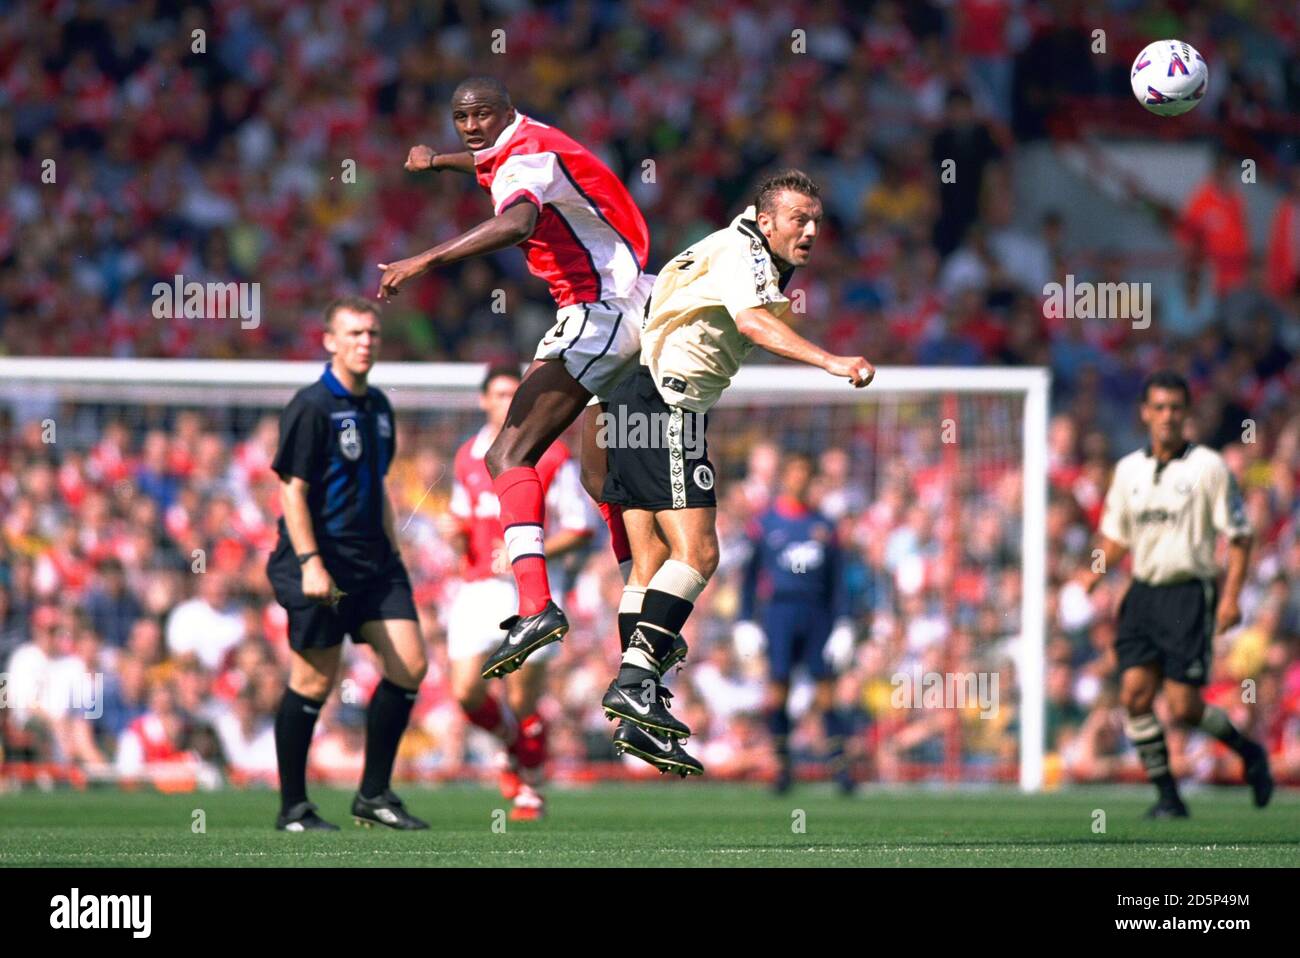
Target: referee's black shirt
{"points": [[341, 445]]}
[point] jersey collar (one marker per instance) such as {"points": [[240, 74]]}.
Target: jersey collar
{"points": [[488, 152], [1160, 466], [747, 223], [337, 388]]}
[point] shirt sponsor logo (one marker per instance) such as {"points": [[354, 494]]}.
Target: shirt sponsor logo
{"points": [[1151, 516]]}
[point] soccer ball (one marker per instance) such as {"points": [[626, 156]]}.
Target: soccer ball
{"points": [[1169, 77]]}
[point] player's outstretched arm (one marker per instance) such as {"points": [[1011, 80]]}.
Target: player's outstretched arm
{"points": [[764, 329], [421, 158], [508, 228]]}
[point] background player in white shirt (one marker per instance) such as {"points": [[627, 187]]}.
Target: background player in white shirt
{"points": [[1168, 504]]}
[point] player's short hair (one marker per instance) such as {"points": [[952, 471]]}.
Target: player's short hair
{"points": [[1166, 379], [357, 304], [500, 369], [485, 88], [771, 187]]}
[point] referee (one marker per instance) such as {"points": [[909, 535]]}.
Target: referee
{"points": [[337, 572], [1168, 503]]}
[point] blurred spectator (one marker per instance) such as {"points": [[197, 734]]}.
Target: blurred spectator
{"points": [[112, 608], [208, 625], [964, 148], [1214, 224]]}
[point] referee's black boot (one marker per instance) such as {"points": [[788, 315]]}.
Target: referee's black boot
{"points": [[636, 696], [386, 810], [1169, 806], [663, 752], [302, 818], [524, 636], [1258, 774]]}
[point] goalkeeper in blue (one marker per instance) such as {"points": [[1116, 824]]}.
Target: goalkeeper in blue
{"points": [[794, 604]]}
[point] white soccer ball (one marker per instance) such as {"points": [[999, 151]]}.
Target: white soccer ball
{"points": [[1169, 77]]}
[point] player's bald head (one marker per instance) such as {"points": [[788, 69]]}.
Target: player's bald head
{"points": [[488, 90]]}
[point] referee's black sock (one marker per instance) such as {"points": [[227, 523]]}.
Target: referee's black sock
{"points": [[390, 710], [1148, 737], [294, 722]]}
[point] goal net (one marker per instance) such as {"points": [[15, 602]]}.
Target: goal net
{"points": [[935, 477]]}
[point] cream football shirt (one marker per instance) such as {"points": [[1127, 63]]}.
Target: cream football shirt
{"points": [[689, 337], [1170, 517]]}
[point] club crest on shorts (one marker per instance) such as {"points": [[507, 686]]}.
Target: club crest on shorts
{"points": [[703, 477], [350, 440]]}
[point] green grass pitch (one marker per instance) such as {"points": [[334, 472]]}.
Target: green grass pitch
{"points": [[668, 823]]}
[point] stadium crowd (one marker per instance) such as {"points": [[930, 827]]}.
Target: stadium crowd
{"points": [[132, 549]]}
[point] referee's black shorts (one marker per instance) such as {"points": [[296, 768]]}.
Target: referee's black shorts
{"points": [[657, 454], [1171, 626], [385, 594]]}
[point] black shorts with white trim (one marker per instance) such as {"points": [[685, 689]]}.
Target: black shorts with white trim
{"points": [[658, 454], [1170, 626]]}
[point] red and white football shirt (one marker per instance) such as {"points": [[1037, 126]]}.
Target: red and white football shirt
{"points": [[475, 504], [590, 242]]}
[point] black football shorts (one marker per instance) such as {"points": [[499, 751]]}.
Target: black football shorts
{"points": [[1170, 625], [314, 625], [657, 454]]}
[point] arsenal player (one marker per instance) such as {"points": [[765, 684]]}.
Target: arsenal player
{"points": [[472, 629], [581, 233]]}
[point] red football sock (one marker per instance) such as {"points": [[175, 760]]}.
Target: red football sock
{"points": [[486, 716], [530, 745], [613, 516], [519, 491]]}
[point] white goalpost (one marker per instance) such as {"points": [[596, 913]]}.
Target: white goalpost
{"points": [[756, 385], [763, 398]]}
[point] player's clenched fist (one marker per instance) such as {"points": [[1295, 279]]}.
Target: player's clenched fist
{"points": [[853, 368], [420, 158], [316, 582]]}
